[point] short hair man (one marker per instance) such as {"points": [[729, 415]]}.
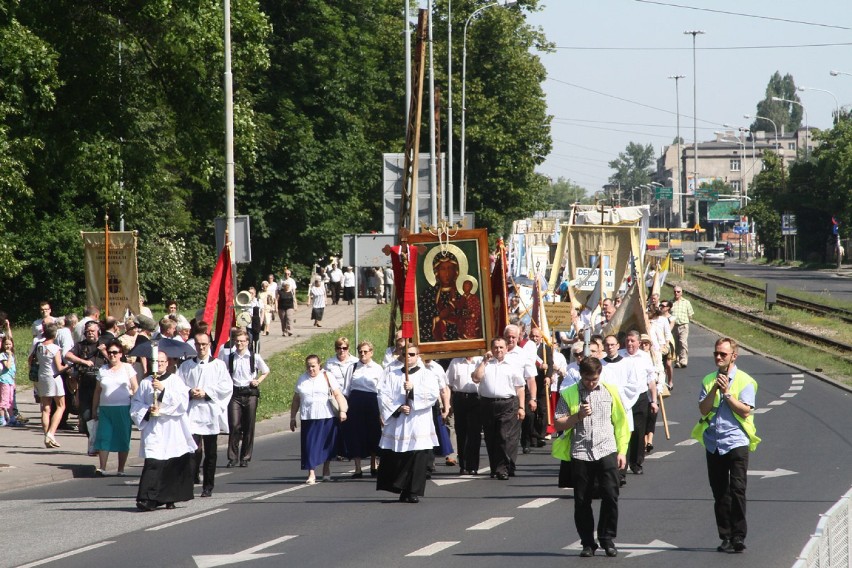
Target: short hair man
{"points": [[683, 313], [727, 432], [210, 388], [44, 311], [645, 403], [595, 442], [501, 395], [247, 371]]}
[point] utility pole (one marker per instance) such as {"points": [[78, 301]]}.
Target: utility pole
{"points": [[694, 33], [677, 189]]}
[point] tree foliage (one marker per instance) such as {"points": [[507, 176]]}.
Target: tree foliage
{"points": [[116, 108], [786, 116], [563, 193], [633, 167]]}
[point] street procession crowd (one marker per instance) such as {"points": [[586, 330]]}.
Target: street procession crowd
{"points": [[595, 398]]}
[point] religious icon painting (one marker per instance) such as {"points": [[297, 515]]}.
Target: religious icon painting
{"points": [[452, 297]]}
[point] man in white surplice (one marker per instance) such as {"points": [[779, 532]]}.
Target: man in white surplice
{"points": [[408, 435], [210, 388], [167, 443]]}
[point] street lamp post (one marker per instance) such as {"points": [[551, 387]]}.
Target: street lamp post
{"points": [[694, 33], [772, 122], [463, 167], [450, 112], [680, 208], [834, 73], [836, 104], [807, 126]]}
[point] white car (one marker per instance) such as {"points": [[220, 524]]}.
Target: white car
{"points": [[715, 256], [699, 254]]}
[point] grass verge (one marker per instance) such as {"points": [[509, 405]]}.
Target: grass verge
{"points": [[286, 366]]}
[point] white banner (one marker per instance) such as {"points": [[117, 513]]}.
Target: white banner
{"points": [[123, 275]]}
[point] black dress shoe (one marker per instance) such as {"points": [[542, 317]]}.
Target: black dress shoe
{"points": [[649, 448], [587, 552], [541, 444], [231, 463], [358, 475], [637, 469], [170, 506], [412, 499], [146, 505], [374, 471], [726, 546], [738, 544], [206, 492], [243, 463], [526, 450], [611, 550], [502, 476]]}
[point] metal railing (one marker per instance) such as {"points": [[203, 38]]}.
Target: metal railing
{"points": [[830, 545]]}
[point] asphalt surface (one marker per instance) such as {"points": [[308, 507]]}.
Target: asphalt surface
{"points": [[266, 514]]}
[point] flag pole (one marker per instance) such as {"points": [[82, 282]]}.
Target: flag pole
{"points": [[106, 266]]}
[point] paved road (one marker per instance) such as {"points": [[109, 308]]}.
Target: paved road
{"points": [[665, 515]]}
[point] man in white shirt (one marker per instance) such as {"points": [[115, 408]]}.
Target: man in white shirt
{"points": [[466, 412], [501, 391], [91, 313], [646, 402], [620, 372], [335, 277], [288, 279], [247, 371], [210, 387], [44, 311], [523, 359]]}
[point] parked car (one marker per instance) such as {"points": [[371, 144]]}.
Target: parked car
{"points": [[714, 256], [699, 254], [729, 248], [676, 254]]}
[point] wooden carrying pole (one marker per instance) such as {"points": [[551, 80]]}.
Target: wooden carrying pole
{"points": [[663, 411], [106, 266]]}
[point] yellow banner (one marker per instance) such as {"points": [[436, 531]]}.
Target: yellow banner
{"points": [[123, 274]]}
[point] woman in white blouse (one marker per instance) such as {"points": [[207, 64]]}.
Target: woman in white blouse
{"points": [[111, 408], [361, 388], [312, 401]]}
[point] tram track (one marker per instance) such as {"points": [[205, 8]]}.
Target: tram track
{"points": [[781, 299]]}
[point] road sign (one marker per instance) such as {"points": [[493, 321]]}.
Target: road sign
{"points": [[664, 192], [788, 224]]}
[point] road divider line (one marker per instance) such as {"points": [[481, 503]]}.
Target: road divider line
{"points": [[796, 388], [798, 375], [282, 492], [657, 455], [538, 503], [66, 554], [186, 520], [687, 442], [789, 394], [490, 523], [434, 548], [761, 410], [799, 381], [776, 403]]}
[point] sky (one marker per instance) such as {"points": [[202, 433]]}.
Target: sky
{"points": [[608, 76]]}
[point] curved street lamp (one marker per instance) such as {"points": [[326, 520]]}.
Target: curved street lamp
{"points": [[463, 184], [807, 127]]}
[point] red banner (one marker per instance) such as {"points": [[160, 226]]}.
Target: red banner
{"points": [[220, 300], [499, 290], [403, 258]]}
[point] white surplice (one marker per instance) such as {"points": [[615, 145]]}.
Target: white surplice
{"points": [[209, 415], [414, 431], [168, 435]]}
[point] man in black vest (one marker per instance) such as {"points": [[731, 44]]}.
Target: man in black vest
{"points": [[88, 356]]}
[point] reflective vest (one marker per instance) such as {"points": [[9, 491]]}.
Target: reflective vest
{"points": [[741, 380], [562, 445]]}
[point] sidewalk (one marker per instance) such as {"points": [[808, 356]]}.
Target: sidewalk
{"points": [[25, 462]]}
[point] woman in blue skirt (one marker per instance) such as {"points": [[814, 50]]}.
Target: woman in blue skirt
{"points": [[312, 401], [362, 431]]}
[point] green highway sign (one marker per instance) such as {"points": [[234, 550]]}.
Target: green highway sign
{"points": [[663, 192]]}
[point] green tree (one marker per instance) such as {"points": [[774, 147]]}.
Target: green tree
{"points": [[786, 116], [563, 193], [633, 168]]}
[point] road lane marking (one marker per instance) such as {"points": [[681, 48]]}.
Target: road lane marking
{"points": [[776, 403], [282, 492], [67, 554], [434, 548], [789, 394], [211, 561], [186, 519], [761, 410], [687, 442], [799, 382], [632, 550], [538, 503], [490, 523], [798, 388], [657, 455], [798, 375]]}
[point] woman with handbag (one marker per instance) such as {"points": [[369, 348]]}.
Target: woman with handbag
{"points": [[48, 356], [319, 403], [111, 408], [361, 388]]}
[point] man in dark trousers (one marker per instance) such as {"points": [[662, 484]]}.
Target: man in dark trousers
{"points": [[595, 442], [534, 428], [727, 432]]}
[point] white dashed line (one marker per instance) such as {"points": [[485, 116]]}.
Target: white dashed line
{"points": [[687, 442], [799, 382], [282, 492], [657, 455], [776, 403], [789, 394], [66, 554], [797, 388], [761, 410], [490, 523], [186, 520], [538, 503], [434, 548], [798, 376]]}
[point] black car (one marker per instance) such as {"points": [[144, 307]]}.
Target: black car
{"points": [[729, 248]]}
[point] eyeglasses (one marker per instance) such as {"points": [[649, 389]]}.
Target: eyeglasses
{"points": [[365, 351], [341, 349], [114, 352], [678, 291], [412, 354], [721, 354]]}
